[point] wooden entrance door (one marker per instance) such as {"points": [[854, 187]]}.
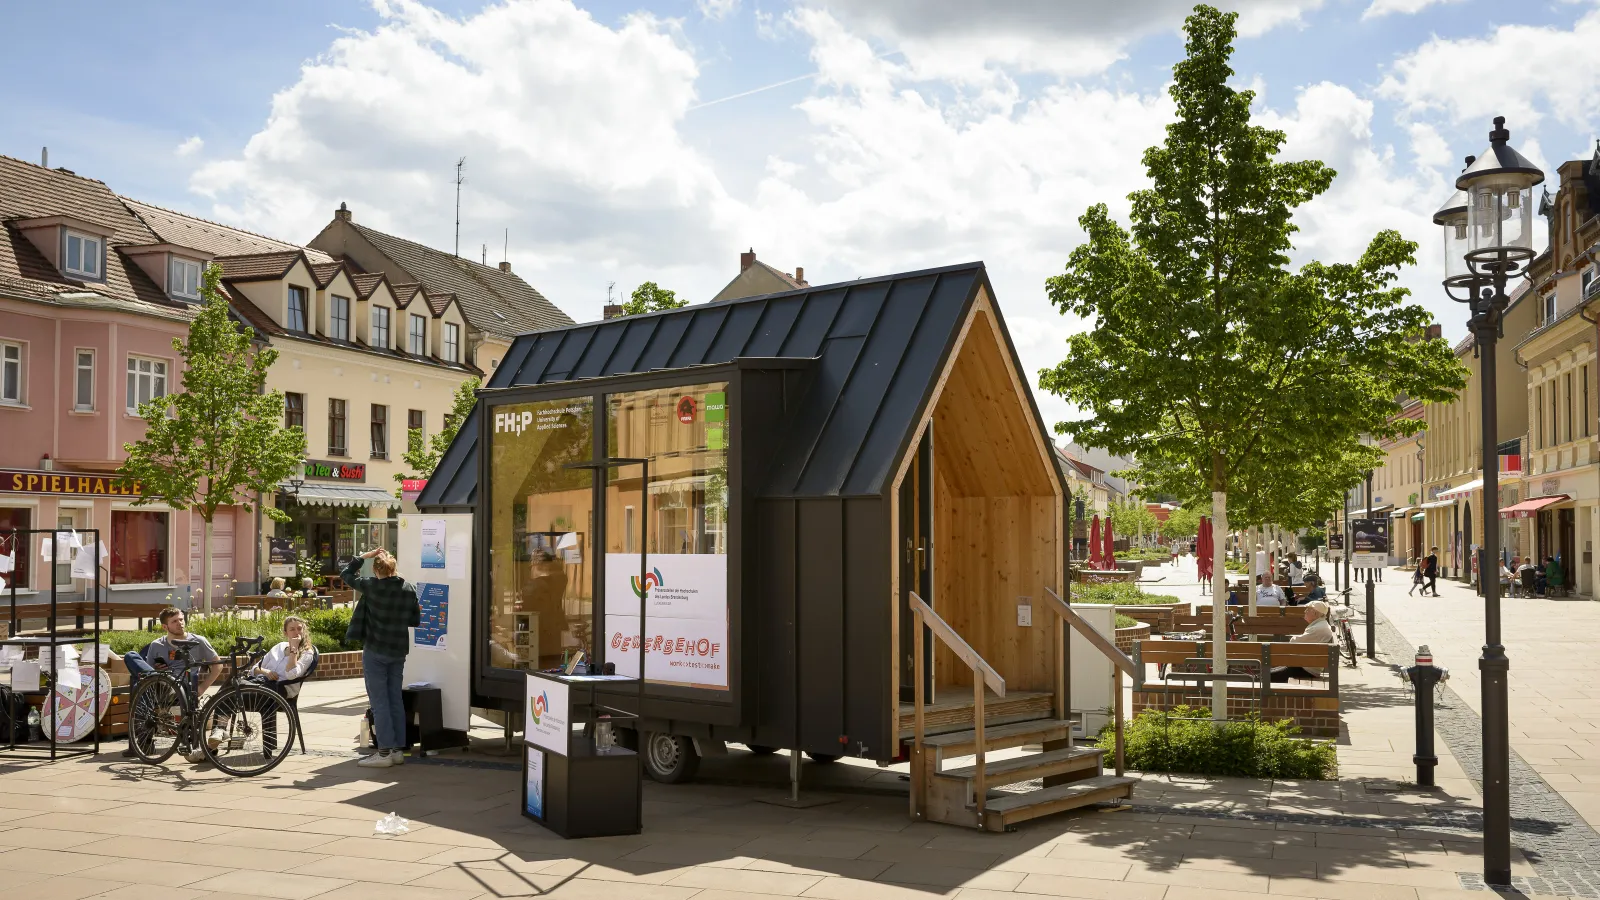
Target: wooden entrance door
{"points": [[915, 557]]}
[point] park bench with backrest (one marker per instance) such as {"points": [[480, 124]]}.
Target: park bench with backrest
{"points": [[1271, 624], [1174, 656]]}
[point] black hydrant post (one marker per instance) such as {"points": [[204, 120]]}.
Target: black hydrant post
{"points": [[1423, 676]]}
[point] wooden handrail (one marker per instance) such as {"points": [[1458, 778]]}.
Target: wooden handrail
{"points": [[957, 645], [1118, 658]]}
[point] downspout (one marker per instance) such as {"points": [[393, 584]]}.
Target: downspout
{"points": [[1583, 310]]}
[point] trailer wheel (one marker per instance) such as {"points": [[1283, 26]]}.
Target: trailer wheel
{"points": [[823, 758], [669, 758], [762, 749]]}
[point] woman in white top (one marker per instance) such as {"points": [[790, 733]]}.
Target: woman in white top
{"points": [[290, 659]]}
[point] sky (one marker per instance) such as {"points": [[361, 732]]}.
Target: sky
{"points": [[617, 141]]}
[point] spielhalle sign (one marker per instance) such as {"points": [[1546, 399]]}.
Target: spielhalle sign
{"points": [[33, 482]]}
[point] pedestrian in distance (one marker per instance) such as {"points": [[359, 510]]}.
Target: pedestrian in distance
{"points": [[1416, 578], [388, 608], [1430, 571]]}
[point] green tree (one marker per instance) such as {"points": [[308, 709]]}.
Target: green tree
{"points": [[649, 297], [1181, 524], [1210, 361], [425, 457], [220, 441], [1131, 518]]}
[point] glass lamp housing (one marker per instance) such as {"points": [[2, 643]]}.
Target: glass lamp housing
{"points": [[1452, 221], [1499, 190]]}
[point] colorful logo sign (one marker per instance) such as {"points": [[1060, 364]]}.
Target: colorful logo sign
{"points": [[652, 579], [335, 471], [537, 707], [686, 410]]}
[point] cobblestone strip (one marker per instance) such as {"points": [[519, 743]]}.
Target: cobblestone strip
{"points": [[1564, 850]]}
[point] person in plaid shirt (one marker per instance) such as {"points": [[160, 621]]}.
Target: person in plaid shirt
{"points": [[384, 615]]}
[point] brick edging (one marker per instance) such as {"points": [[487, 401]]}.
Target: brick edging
{"points": [[331, 666]]}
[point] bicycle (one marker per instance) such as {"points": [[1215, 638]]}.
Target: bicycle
{"points": [[244, 729], [1341, 617]]}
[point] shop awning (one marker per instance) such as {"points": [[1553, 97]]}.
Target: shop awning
{"points": [[1418, 517], [1527, 508], [1401, 512], [359, 495], [1436, 504], [1462, 490], [1374, 511]]}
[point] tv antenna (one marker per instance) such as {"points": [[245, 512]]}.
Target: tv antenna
{"points": [[610, 286], [460, 180]]}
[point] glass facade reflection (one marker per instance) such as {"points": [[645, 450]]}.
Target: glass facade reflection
{"points": [[541, 533]]}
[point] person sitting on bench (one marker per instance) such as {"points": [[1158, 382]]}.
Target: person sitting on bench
{"points": [[1318, 631], [1269, 594]]}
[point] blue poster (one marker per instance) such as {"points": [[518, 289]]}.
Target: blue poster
{"points": [[435, 599], [535, 783]]}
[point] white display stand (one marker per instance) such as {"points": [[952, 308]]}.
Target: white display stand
{"points": [[1091, 670], [447, 667]]}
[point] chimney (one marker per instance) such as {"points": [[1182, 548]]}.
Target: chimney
{"points": [[342, 213], [1435, 331], [44, 157], [505, 267], [612, 311], [747, 259], [800, 274]]}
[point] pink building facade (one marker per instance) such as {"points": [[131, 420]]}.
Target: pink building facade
{"points": [[90, 302]]}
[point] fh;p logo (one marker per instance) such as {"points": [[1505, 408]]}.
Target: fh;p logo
{"points": [[513, 422]]}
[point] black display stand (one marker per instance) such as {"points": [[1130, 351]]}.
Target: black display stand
{"points": [[581, 791], [424, 711]]}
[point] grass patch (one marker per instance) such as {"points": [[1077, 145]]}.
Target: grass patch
{"points": [[1185, 740], [220, 628], [1126, 621], [1117, 594]]}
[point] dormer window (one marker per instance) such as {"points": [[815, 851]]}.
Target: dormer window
{"points": [[339, 318], [452, 342], [297, 309], [84, 256], [183, 278], [418, 335]]}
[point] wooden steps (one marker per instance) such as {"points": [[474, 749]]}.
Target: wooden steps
{"points": [[1071, 776], [956, 714]]}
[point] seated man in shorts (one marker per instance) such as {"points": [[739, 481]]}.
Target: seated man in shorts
{"points": [[204, 663]]}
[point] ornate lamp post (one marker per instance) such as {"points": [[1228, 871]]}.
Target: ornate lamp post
{"points": [[1488, 238]]}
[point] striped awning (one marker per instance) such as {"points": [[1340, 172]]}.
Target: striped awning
{"points": [[353, 495]]}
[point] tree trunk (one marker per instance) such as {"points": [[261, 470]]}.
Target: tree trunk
{"points": [[1253, 539], [205, 568], [1219, 603]]}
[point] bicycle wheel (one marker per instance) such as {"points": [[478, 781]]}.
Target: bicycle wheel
{"points": [[156, 718], [1349, 646], [246, 729]]}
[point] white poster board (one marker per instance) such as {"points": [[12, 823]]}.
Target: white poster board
{"points": [[546, 709], [687, 617], [446, 662]]}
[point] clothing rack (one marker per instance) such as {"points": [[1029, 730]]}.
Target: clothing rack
{"points": [[21, 542]]}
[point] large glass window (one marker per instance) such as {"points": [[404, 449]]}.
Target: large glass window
{"points": [[541, 532], [298, 314], [138, 547], [683, 432], [147, 380], [83, 392], [13, 519], [336, 428], [380, 432]]}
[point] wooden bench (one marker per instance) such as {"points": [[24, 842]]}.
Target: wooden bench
{"points": [[81, 612], [1270, 624], [1268, 654]]}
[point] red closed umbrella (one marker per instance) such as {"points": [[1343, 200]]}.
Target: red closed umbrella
{"points": [[1094, 543], [1109, 558]]}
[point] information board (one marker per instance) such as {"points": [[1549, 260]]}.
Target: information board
{"points": [[1370, 543], [431, 634], [546, 710]]}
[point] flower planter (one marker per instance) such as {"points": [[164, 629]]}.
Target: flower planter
{"points": [[1126, 636]]}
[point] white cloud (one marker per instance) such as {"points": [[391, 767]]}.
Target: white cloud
{"points": [[191, 146], [570, 129], [717, 9], [1380, 8], [1522, 72]]}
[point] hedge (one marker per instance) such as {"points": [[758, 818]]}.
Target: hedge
{"points": [[220, 628], [1186, 740]]}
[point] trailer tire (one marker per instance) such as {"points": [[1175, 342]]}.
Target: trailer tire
{"points": [[669, 758], [761, 749], [823, 758]]}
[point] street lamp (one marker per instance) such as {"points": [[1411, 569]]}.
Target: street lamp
{"points": [[1491, 244]]}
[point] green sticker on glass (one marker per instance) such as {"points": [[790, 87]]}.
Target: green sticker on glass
{"points": [[717, 407], [714, 438]]}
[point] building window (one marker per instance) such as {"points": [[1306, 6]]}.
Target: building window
{"points": [[13, 519], [336, 430], [452, 342], [297, 309], [83, 387], [183, 279], [339, 319], [1549, 308], [138, 547], [294, 411], [380, 327], [380, 432], [1554, 438], [1566, 396], [419, 336], [1583, 415], [415, 424], [84, 255], [147, 380], [11, 373], [494, 363], [1538, 408]]}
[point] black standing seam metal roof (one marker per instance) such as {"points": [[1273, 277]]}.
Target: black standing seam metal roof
{"points": [[879, 346]]}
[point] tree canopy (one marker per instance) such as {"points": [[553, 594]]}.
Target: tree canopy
{"points": [[650, 297], [220, 441], [1210, 360]]}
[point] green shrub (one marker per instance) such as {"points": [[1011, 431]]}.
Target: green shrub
{"points": [[1186, 740], [1126, 621], [1117, 593], [220, 628]]}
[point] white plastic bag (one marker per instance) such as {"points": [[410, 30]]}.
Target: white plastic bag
{"points": [[392, 824]]}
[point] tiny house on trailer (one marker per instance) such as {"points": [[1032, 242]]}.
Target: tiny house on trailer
{"points": [[815, 495]]}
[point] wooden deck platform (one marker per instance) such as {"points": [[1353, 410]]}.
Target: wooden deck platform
{"points": [[952, 710]]}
